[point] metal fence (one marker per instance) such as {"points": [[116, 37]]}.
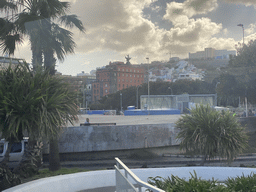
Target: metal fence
{"points": [[125, 179]]}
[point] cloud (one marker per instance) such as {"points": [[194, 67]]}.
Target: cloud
{"points": [[121, 26], [245, 2], [251, 29], [176, 11]]}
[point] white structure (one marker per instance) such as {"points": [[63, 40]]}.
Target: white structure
{"points": [[212, 53], [98, 179]]}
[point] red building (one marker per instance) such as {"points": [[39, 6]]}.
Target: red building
{"points": [[115, 77]]}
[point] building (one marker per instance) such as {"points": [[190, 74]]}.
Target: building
{"points": [[210, 53], [115, 77], [82, 85]]}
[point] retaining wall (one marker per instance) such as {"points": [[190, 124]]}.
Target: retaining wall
{"points": [[104, 138]]}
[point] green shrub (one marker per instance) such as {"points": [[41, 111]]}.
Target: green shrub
{"points": [[194, 184], [7, 178], [242, 184]]}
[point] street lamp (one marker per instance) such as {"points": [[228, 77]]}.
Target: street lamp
{"points": [[137, 96], [169, 88], [241, 25], [121, 101], [216, 92], [148, 83]]}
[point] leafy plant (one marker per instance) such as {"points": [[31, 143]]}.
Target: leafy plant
{"points": [[176, 184], [7, 178], [211, 133], [242, 184]]}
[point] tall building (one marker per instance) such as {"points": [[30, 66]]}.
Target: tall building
{"points": [[115, 77]]}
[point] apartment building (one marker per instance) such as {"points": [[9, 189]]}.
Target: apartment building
{"points": [[115, 77]]}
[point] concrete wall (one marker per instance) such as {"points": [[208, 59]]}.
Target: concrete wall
{"points": [[104, 138]]}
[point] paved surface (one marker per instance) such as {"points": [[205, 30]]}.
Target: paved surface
{"points": [[128, 120]]}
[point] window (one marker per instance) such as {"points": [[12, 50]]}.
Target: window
{"points": [[1, 147], [122, 79], [94, 91], [118, 80], [119, 85], [126, 70], [123, 75], [134, 70], [106, 91], [126, 75], [138, 76], [131, 81], [122, 69], [126, 86], [130, 70], [130, 75], [16, 147], [106, 85], [114, 74], [118, 69], [118, 74], [97, 91]]}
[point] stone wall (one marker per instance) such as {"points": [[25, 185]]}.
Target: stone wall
{"points": [[104, 138]]}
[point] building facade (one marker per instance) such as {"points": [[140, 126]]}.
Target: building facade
{"points": [[210, 53], [115, 77]]}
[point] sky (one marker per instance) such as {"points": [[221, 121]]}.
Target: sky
{"points": [[157, 29]]}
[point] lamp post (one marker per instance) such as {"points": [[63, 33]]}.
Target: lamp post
{"points": [[169, 88], [241, 25], [137, 96], [216, 92], [121, 101], [148, 85]]}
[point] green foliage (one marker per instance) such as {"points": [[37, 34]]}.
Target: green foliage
{"points": [[34, 102], [242, 184], [176, 184], [211, 133], [245, 55], [195, 184], [7, 178]]}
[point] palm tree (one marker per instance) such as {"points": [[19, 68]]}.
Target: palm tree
{"points": [[41, 21], [211, 133], [36, 103]]}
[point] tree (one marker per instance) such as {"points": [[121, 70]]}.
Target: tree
{"points": [[34, 102], [211, 133], [41, 21]]}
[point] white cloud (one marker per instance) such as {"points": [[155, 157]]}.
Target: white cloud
{"points": [[251, 29], [244, 2], [176, 11]]}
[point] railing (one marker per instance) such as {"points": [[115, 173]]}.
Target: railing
{"points": [[99, 124], [123, 184]]}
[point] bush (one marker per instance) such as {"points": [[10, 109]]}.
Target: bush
{"points": [[195, 184], [174, 183], [7, 178]]}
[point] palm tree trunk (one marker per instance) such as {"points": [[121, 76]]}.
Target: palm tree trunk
{"points": [[54, 158]]}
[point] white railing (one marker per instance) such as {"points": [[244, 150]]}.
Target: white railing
{"points": [[123, 184]]}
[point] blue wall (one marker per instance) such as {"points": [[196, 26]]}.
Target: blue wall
{"points": [[152, 112]]}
